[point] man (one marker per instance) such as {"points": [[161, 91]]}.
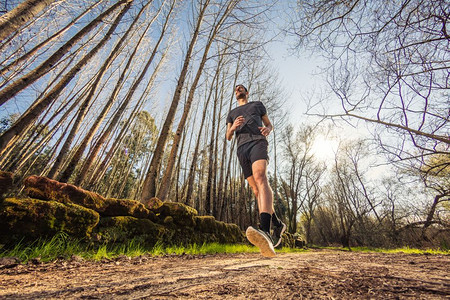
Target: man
{"points": [[247, 121]]}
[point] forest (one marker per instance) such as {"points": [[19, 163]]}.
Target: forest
{"points": [[129, 99]]}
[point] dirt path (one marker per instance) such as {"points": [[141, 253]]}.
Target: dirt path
{"points": [[314, 274]]}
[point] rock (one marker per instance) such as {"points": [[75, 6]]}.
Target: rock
{"points": [[205, 224], [32, 218], [288, 240], [76, 258], [6, 182], [8, 262], [36, 261], [125, 207], [152, 204], [48, 189], [125, 228], [182, 214], [229, 233]]}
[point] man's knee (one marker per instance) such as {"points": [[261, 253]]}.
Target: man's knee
{"points": [[260, 177]]}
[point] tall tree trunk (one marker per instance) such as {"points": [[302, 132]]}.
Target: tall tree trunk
{"points": [[81, 115], [222, 181], [20, 84], [208, 199], [149, 188], [98, 172], [94, 152], [165, 183], [33, 113], [56, 35], [6, 154], [76, 158], [216, 203], [192, 169], [19, 16]]}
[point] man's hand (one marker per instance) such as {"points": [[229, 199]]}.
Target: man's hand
{"points": [[238, 122], [265, 130]]}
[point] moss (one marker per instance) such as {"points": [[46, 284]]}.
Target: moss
{"points": [[168, 220], [184, 236], [152, 204], [126, 207], [182, 214], [124, 228], [47, 189], [229, 233], [6, 182], [33, 218], [206, 224]]}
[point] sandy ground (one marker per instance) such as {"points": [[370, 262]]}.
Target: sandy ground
{"points": [[317, 274]]}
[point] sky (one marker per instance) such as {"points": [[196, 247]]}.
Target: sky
{"points": [[299, 74]]}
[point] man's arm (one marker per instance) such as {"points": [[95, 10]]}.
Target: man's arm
{"points": [[267, 126], [231, 128]]}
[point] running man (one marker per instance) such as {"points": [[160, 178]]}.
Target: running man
{"points": [[247, 121]]}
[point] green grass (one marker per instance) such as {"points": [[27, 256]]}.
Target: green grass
{"points": [[406, 250], [61, 246]]}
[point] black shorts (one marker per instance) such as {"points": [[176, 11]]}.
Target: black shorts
{"points": [[250, 152]]}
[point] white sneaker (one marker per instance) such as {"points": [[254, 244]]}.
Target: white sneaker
{"points": [[262, 240]]}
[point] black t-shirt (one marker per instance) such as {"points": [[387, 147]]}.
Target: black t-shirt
{"points": [[252, 113]]}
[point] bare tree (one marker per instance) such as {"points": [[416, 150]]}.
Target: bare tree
{"points": [[77, 156], [39, 106], [23, 13], [219, 21], [149, 189], [297, 159], [12, 89], [388, 66]]}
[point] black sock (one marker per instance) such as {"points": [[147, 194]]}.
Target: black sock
{"points": [[265, 221], [275, 220]]}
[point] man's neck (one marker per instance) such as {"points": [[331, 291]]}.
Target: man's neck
{"points": [[242, 101]]}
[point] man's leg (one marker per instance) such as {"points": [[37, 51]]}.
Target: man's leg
{"points": [[265, 202], [252, 183], [259, 169], [261, 237]]}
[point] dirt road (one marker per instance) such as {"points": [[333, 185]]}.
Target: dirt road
{"points": [[319, 274]]}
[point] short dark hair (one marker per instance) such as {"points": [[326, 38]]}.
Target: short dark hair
{"points": [[242, 86]]}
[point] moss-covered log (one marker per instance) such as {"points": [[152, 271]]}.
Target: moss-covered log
{"points": [[182, 214], [126, 228], [47, 189], [126, 207], [33, 218]]}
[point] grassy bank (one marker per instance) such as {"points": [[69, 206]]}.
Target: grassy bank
{"points": [[63, 247], [406, 250]]}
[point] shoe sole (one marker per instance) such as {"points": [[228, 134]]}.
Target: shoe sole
{"points": [[260, 241], [281, 234]]}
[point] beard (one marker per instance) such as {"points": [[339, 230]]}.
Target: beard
{"points": [[241, 95]]}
